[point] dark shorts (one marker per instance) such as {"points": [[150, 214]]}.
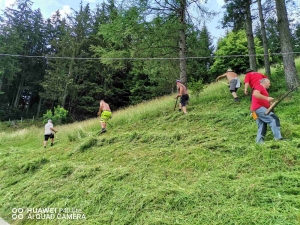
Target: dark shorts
{"points": [[184, 99], [47, 136]]}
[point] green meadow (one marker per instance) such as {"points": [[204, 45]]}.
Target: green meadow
{"points": [[156, 165]]}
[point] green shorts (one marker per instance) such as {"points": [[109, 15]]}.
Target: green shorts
{"points": [[105, 116]]}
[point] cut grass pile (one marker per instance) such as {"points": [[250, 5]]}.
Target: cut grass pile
{"points": [[158, 166]]}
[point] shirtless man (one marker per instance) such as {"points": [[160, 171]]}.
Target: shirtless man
{"points": [[234, 83], [183, 94], [105, 112]]}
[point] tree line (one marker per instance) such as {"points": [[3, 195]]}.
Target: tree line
{"points": [[128, 53]]}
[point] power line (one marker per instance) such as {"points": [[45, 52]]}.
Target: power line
{"points": [[154, 58]]}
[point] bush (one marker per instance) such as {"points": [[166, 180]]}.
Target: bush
{"points": [[59, 116], [196, 86], [278, 79]]}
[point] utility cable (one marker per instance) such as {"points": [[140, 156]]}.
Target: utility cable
{"points": [[154, 58]]}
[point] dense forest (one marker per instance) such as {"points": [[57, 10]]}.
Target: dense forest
{"points": [[130, 53]]}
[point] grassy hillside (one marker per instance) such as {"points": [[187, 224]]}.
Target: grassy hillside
{"points": [[158, 166]]}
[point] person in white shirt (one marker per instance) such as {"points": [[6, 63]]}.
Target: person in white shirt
{"points": [[49, 129]]}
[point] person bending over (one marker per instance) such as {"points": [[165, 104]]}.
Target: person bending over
{"points": [[234, 83], [252, 80], [260, 103]]}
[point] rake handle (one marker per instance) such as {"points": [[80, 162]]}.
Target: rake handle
{"points": [[175, 104]]}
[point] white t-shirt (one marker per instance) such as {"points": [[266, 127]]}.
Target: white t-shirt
{"points": [[47, 128]]}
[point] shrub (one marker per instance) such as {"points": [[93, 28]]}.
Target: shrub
{"points": [[196, 86], [59, 116], [278, 79]]}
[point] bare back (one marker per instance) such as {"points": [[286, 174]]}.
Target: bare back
{"points": [[104, 106], [231, 75]]}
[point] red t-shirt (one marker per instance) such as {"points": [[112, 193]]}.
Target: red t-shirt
{"points": [[253, 78], [256, 103]]}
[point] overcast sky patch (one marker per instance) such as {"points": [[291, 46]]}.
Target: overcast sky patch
{"points": [[89, 1], [220, 3], [66, 9], [6, 3]]}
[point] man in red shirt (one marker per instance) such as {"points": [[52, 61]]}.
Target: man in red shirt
{"points": [[260, 103], [252, 79]]}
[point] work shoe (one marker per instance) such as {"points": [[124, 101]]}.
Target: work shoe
{"points": [[103, 131]]}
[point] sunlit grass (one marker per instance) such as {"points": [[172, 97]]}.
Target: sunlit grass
{"points": [[157, 166]]}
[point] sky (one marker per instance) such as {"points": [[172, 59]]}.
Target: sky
{"points": [[48, 7]]}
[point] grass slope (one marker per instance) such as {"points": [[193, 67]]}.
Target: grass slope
{"points": [[158, 166]]}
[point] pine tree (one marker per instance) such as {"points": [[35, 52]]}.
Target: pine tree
{"points": [[238, 15], [23, 32], [200, 45]]}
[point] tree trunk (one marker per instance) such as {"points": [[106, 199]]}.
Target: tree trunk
{"points": [[1, 84], [182, 43], [264, 39], [17, 99], [70, 106], [63, 104], [27, 104], [290, 71], [39, 108], [52, 106], [250, 38]]}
